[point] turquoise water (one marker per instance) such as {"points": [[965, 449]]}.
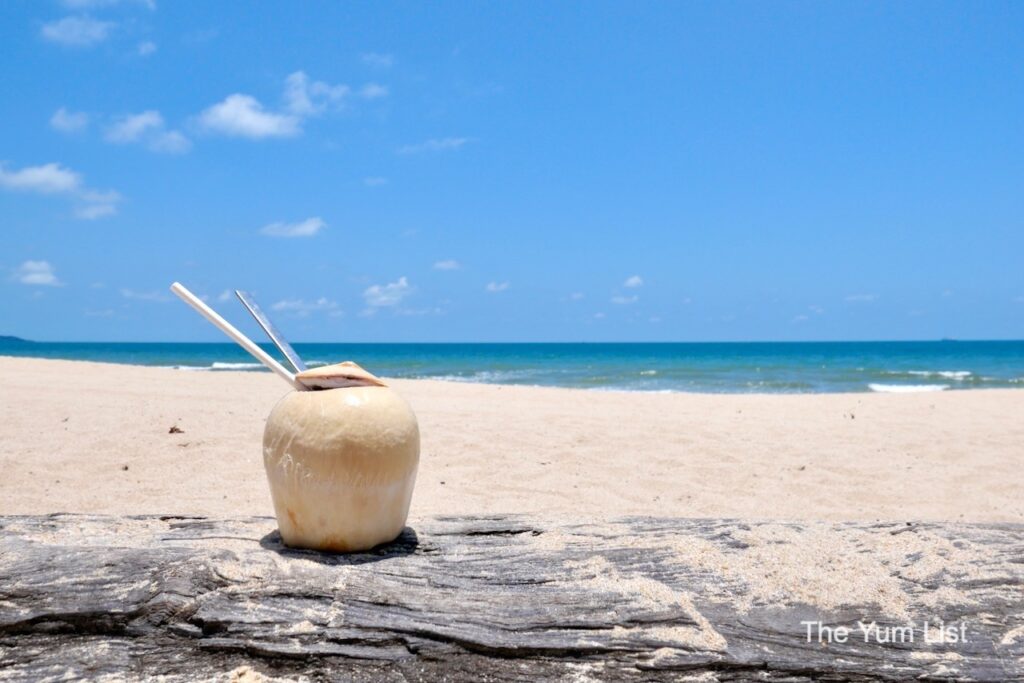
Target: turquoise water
{"points": [[697, 367]]}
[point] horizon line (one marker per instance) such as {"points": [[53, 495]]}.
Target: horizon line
{"points": [[411, 343]]}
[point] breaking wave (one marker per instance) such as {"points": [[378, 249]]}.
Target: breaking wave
{"points": [[958, 375]]}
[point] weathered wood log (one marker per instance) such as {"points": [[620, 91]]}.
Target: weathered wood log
{"points": [[509, 598]]}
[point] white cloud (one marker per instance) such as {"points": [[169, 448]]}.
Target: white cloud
{"points": [[147, 127], [447, 264], [68, 121], [36, 273], [375, 181], [311, 98], [434, 145], [576, 296], [243, 116], [373, 91], [97, 197], [799, 318], [170, 142], [302, 308], [496, 286], [46, 179], [56, 179], [326, 91], [296, 95], [391, 294], [305, 98], [435, 310], [633, 281], [377, 60], [132, 127], [306, 228], [862, 298], [144, 296], [77, 31], [224, 296], [816, 309], [625, 300], [92, 4], [90, 212], [146, 48]]}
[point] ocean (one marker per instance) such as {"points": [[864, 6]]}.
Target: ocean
{"points": [[763, 367]]}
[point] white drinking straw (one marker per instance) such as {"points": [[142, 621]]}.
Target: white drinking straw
{"points": [[229, 329]]}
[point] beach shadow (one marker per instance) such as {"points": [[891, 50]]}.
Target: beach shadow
{"points": [[406, 544]]}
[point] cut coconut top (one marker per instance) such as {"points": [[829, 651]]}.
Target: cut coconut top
{"points": [[338, 376]]}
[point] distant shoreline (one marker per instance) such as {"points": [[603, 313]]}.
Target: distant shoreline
{"points": [[259, 370]]}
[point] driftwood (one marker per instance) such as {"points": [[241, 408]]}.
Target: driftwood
{"points": [[509, 598]]}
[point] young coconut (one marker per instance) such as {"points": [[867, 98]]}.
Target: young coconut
{"points": [[341, 460], [340, 451]]}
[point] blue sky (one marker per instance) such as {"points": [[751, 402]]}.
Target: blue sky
{"points": [[514, 171]]}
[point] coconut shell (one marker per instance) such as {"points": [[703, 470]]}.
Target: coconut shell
{"points": [[341, 464], [339, 376]]}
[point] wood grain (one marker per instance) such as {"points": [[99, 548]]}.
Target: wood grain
{"points": [[506, 598]]}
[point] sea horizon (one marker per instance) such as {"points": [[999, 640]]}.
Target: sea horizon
{"points": [[905, 366]]}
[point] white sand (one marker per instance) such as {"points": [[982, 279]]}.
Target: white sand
{"points": [[69, 429]]}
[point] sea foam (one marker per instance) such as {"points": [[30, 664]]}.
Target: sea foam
{"points": [[944, 374], [235, 366], [218, 366], [906, 388]]}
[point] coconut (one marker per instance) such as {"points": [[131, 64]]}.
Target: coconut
{"points": [[341, 460]]}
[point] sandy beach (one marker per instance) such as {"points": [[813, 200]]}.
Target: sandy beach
{"points": [[91, 437]]}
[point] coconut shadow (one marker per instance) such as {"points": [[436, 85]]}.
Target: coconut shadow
{"points": [[406, 544]]}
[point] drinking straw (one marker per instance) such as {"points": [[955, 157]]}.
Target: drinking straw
{"points": [[275, 335], [229, 329]]}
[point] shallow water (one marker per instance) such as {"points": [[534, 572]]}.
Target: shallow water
{"points": [[763, 367]]}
